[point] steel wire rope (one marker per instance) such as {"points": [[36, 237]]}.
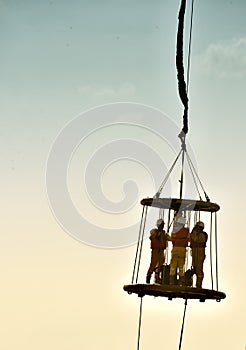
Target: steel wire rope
{"points": [[139, 322], [144, 211], [157, 195], [193, 167], [168, 228], [193, 176], [189, 51], [182, 173], [188, 216], [141, 244], [182, 328]]}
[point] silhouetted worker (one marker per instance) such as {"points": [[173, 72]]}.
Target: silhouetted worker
{"points": [[158, 238], [198, 240], [179, 238]]}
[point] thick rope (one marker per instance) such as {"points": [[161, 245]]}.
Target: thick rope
{"points": [[180, 67], [182, 328]]}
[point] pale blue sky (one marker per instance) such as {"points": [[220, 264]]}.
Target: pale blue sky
{"points": [[60, 58]]}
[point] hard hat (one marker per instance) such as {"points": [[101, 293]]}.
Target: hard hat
{"points": [[200, 224], [159, 222], [181, 220]]}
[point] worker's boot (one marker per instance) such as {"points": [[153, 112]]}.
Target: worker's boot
{"points": [[148, 279], [171, 280], [181, 281], [157, 278], [199, 282]]}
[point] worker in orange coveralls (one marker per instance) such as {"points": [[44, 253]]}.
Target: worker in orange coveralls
{"points": [[179, 238], [198, 240], [158, 238]]}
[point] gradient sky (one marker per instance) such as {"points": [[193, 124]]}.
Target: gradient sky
{"points": [[59, 59]]}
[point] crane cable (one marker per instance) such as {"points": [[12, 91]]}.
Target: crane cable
{"points": [[184, 98], [183, 90]]}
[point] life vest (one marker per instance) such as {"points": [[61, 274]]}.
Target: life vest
{"points": [[198, 238], [180, 238], [158, 239]]}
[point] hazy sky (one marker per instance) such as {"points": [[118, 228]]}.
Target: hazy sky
{"points": [[59, 59]]}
